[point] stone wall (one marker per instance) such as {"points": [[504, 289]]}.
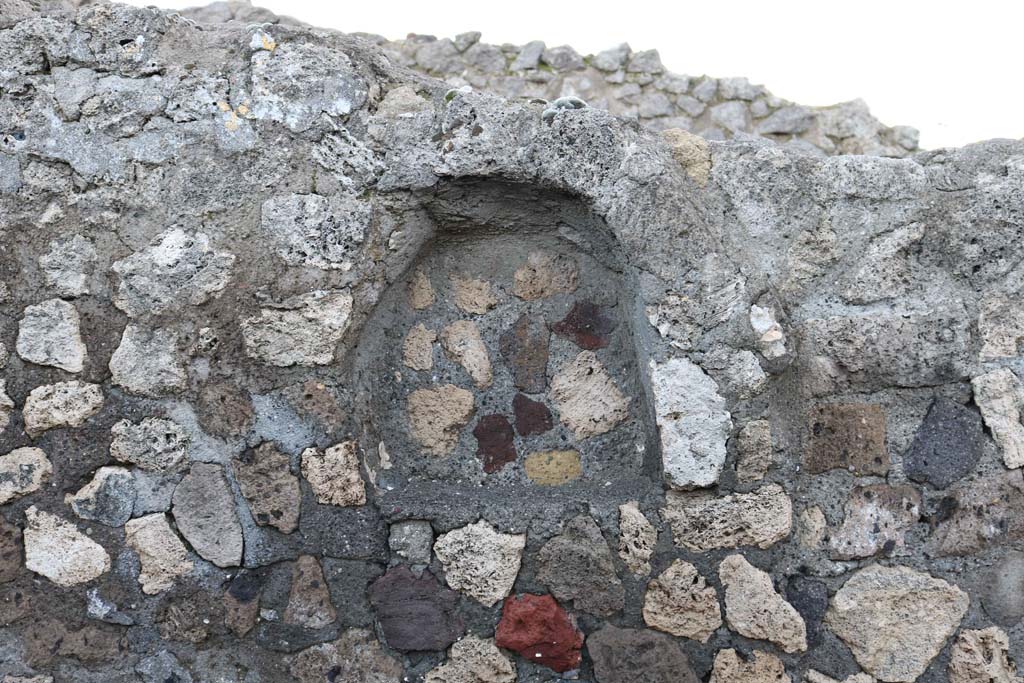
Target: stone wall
{"points": [[314, 368]]}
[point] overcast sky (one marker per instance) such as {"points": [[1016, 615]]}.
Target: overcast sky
{"points": [[954, 71]]}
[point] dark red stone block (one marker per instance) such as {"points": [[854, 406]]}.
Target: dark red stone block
{"points": [[586, 325], [537, 628], [525, 348], [531, 417], [416, 614], [494, 437]]}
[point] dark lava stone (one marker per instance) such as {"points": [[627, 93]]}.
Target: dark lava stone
{"points": [[947, 445], [416, 614]]}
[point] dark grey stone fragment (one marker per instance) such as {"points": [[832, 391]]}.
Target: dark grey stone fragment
{"points": [[947, 446]]}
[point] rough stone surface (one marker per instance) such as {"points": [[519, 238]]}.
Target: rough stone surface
{"points": [[701, 521], [545, 274], [980, 656], [23, 471], [847, 436], [313, 230], [947, 445], [10, 551], [754, 609], [309, 602], [418, 348], [413, 541], [416, 613], [65, 404], [147, 362], [272, 491], [537, 628], [303, 330], [876, 519], [979, 514], [1002, 598], [204, 510], [1000, 396], [524, 347], [480, 561], [760, 667], [56, 549], [495, 442], [588, 400], [6, 402], [637, 539], [162, 555], [553, 468], [755, 455], [155, 444], [68, 265], [50, 333], [461, 341], [619, 653], [355, 656], [895, 619], [109, 498], [334, 474], [577, 567], [679, 601], [473, 295], [586, 325], [437, 415], [531, 417], [474, 660]]}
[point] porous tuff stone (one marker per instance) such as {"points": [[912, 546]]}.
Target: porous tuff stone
{"points": [[495, 442], [309, 602], [162, 555], [355, 656], [692, 152], [531, 417], [23, 471], [679, 601], [416, 614], [318, 231], [474, 660], [56, 549], [334, 474], [553, 468], [545, 274], [68, 265], [204, 510], [588, 400], [462, 342], [876, 517], [65, 404], [147, 362], [155, 444], [620, 653], [303, 330], [754, 609], [577, 566], [472, 295], [108, 498], [524, 346], [981, 656], [702, 521], [480, 561], [761, 667], [1001, 325], [847, 436], [1000, 396], [754, 451], [49, 333], [947, 445], [692, 422], [6, 402], [437, 415], [418, 348], [980, 513], [540, 631], [637, 538], [421, 292], [895, 619], [272, 491]]}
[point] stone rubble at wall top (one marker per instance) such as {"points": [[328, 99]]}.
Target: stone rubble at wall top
{"points": [[315, 367]]}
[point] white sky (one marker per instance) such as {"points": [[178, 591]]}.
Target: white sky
{"points": [[952, 70]]}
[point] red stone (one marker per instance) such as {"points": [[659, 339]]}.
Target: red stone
{"points": [[531, 417], [540, 631], [494, 438], [585, 325]]}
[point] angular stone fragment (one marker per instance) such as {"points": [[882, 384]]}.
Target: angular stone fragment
{"points": [[224, 410], [68, 265], [162, 555], [981, 513], [155, 444], [876, 519], [334, 474], [147, 362], [754, 609], [437, 415], [309, 602], [762, 667], [204, 510], [982, 656], [412, 540], [162, 667], [65, 404], [1003, 597], [692, 152], [418, 348], [313, 230], [810, 527], [108, 499], [1000, 396], [895, 619], [462, 342], [6, 403], [472, 295], [23, 471], [474, 660], [771, 340], [524, 347], [242, 602], [50, 333], [679, 601], [1001, 325], [637, 539], [754, 451], [421, 292], [620, 654], [480, 561], [545, 274], [692, 422], [10, 553], [495, 442], [303, 330], [738, 373], [540, 631], [947, 445], [175, 270], [586, 325], [416, 614], [531, 417], [588, 400], [56, 549], [702, 521], [577, 566], [553, 468], [847, 436], [355, 656], [272, 491]]}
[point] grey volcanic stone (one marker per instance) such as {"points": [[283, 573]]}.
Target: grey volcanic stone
{"points": [[415, 613], [204, 510], [947, 445], [1003, 598], [578, 566], [622, 654]]}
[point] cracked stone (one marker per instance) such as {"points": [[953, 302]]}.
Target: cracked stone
{"points": [[418, 348], [553, 468], [68, 265], [637, 539], [23, 471], [303, 330], [155, 444], [495, 442], [268, 485], [437, 415], [762, 667], [204, 510], [544, 275], [947, 445], [334, 474], [1000, 396], [65, 404], [754, 451], [480, 561], [355, 656], [50, 333], [702, 521], [588, 400], [472, 295], [540, 631], [108, 499], [586, 325], [531, 417], [754, 609], [313, 230], [524, 347], [416, 614], [680, 601], [577, 566], [982, 656], [462, 343], [162, 556], [147, 362], [309, 603], [421, 292], [895, 620], [56, 549], [847, 436], [876, 517], [474, 660]]}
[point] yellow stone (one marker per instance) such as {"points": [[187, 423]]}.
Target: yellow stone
{"points": [[553, 468]]}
